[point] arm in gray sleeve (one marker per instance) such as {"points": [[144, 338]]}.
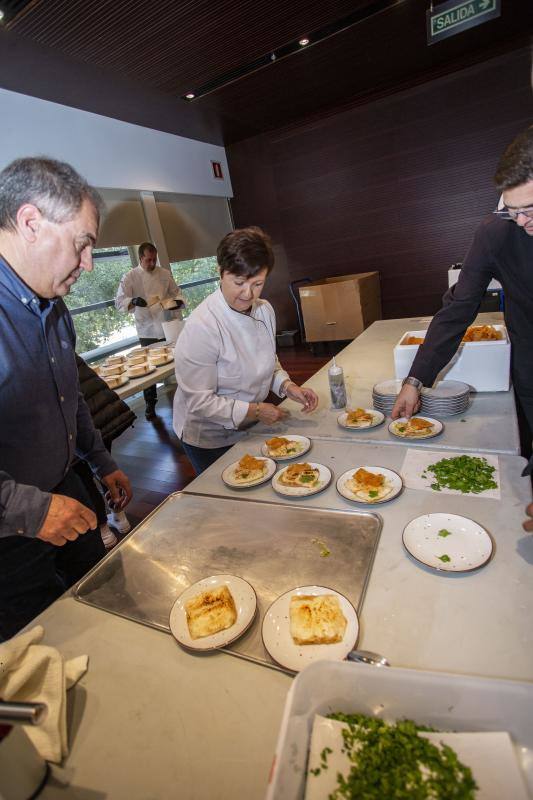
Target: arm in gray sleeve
{"points": [[89, 443], [23, 508], [460, 307]]}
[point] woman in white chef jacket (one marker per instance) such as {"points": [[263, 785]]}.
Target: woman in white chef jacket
{"points": [[225, 358]]}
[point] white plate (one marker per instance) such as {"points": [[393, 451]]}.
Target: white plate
{"points": [[392, 477], [325, 477], [378, 419], [143, 375], [468, 547], [123, 380], [438, 427], [245, 603], [163, 363], [277, 639], [229, 479], [293, 438]]}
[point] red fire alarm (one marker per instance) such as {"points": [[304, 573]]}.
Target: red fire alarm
{"points": [[217, 170]]}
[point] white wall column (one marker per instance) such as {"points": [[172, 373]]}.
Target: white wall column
{"points": [[155, 230]]}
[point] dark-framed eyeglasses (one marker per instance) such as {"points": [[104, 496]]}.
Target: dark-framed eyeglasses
{"points": [[513, 213]]}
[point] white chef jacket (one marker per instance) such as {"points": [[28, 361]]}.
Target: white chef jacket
{"points": [[224, 361], [138, 282]]}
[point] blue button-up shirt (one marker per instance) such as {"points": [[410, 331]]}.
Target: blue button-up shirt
{"points": [[44, 420]]}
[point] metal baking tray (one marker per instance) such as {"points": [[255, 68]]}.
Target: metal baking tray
{"points": [[191, 536]]}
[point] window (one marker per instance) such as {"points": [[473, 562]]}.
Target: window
{"points": [[198, 278], [92, 301], [92, 298]]}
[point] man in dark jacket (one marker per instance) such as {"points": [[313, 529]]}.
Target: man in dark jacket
{"points": [[49, 218], [502, 249]]}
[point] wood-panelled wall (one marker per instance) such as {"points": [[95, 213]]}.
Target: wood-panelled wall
{"points": [[397, 185]]}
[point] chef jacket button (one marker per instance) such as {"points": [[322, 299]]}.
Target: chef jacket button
{"points": [[62, 399], [70, 436], [21, 531], [52, 359]]}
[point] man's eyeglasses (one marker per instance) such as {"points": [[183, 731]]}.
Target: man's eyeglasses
{"points": [[512, 213]]}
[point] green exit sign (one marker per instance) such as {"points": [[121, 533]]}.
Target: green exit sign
{"points": [[454, 16]]}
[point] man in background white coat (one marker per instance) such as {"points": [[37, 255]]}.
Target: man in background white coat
{"points": [[143, 290]]}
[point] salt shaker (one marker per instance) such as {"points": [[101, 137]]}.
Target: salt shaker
{"points": [[337, 386]]}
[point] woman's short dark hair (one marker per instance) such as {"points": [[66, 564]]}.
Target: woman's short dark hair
{"points": [[516, 164], [245, 252]]}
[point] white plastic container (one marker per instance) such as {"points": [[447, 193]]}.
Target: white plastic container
{"points": [[172, 330], [485, 366], [438, 699]]}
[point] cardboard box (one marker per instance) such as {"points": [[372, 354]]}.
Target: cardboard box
{"points": [[483, 365], [340, 307]]}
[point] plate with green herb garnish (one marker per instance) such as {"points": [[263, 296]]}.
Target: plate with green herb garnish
{"points": [[416, 427], [302, 479], [448, 542], [369, 484]]}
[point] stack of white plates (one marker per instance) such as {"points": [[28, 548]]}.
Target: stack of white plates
{"points": [[384, 395], [447, 398]]}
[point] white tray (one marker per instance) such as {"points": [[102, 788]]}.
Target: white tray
{"points": [[438, 699]]}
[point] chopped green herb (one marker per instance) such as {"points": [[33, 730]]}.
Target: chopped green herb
{"points": [[466, 474], [373, 493], [401, 428], [324, 757], [324, 549], [393, 762], [307, 478], [445, 558], [245, 474], [444, 533]]}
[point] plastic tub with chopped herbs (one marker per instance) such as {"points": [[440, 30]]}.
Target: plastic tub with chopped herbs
{"points": [[392, 762]]}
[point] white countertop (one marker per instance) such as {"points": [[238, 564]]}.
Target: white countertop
{"points": [[488, 426], [149, 721], [413, 615]]}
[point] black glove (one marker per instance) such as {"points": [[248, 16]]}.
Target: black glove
{"points": [[177, 304], [139, 301]]}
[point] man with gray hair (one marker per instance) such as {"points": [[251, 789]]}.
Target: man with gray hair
{"points": [[49, 219]]}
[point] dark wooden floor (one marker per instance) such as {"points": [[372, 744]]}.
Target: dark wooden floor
{"points": [[151, 454]]}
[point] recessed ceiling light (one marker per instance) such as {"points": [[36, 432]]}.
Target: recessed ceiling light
{"points": [[1, 15], [303, 42], [190, 96]]}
